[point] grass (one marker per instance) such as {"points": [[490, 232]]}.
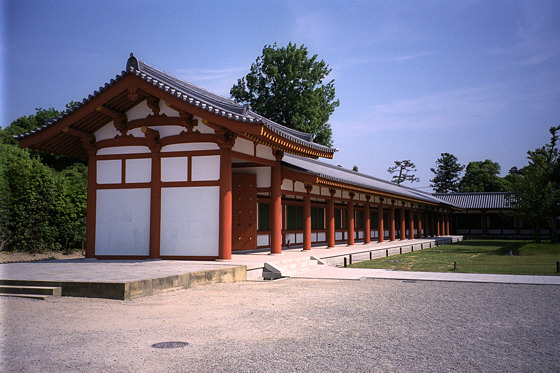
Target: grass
{"points": [[477, 256]]}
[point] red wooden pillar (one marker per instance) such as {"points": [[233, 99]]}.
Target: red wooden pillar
{"points": [[432, 225], [367, 222], [447, 219], [411, 224], [438, 224], [403, 224], [351, 220], [330, 220], [380, 224], [276, 205], [392, 221], [91, 203], [155, 204], [225, 202], [307, 218]]}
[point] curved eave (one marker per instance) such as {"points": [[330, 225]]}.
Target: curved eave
{"points": [[328, 182], [84, 117]]}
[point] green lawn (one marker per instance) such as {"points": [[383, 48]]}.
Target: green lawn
{"points": [[476, 256]]}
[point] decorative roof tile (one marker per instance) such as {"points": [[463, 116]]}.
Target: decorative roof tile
{"points": [[478, 201], [199, 97], [345, 176]]}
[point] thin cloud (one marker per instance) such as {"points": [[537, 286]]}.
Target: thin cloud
{"points": [[537, 36], [218, 81]]}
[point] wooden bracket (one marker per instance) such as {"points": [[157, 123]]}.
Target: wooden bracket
{"points": [[119, 119], [153, 103], [88, 140]]}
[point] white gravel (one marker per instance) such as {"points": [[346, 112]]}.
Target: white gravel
{"points": [[292, 326]]}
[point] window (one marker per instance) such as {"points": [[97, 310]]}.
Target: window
{"points": [[317, 218], [294, 217], [263, 217], [359, 222]]}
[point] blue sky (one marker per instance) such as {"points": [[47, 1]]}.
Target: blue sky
{"points": [[478, 79]]}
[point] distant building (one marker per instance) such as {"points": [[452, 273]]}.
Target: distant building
{"points": [[485, 215], [177, 172]]}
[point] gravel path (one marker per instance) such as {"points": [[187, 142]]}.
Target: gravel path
{"points": [[292, 325]]}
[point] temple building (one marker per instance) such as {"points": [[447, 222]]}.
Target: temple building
{"points": [[177, 172]]}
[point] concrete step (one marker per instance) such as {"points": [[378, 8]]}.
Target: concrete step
{"points": [[30, 291], [28, 296], [289, 267]]}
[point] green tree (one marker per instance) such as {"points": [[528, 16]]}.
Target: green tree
{"points": [[536, 194], [42, 196], [286, 86], [482, 176], [447, 173], [405, 169]]}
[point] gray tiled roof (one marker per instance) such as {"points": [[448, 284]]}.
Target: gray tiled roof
{"points": [[343, 175], [479, 201], [198, 97]]}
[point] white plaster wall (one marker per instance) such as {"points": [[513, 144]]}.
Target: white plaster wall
{"points": [[106, 132], [164, 109], [138, 170], [243, 146], [174, 168], [165, 131], [190, 221], [140, 111], [288, 185], [202, 128], [338, 236], [262, 240], [190, 147], [122, 224], [299, 237], [206, 168], [263, 174], [124, 150], [265, 152], [109, 171], [299, 187], [291, 238], [321, 236]]}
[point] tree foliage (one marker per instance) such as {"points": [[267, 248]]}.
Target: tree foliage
{"points": [[42, 196], [537, 189], [482, 176], [286, 86], [404, 169], [447, 173]]}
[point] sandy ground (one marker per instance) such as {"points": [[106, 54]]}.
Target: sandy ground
{"points": [[291, 325], [13, 257]]}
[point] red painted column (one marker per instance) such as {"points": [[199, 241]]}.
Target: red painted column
{"points": [[226, 212], [392, 221], [403, 224], [155, 204], [367, 222], [420, 225], [330, 220], [411, 224], [276, 205], [351, 220], [438, 225], [380, 227], [307, 218], [91, 204], [447, 218]]}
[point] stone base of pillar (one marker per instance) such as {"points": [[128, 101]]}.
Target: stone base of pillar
{"points": [[277, 254]]}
